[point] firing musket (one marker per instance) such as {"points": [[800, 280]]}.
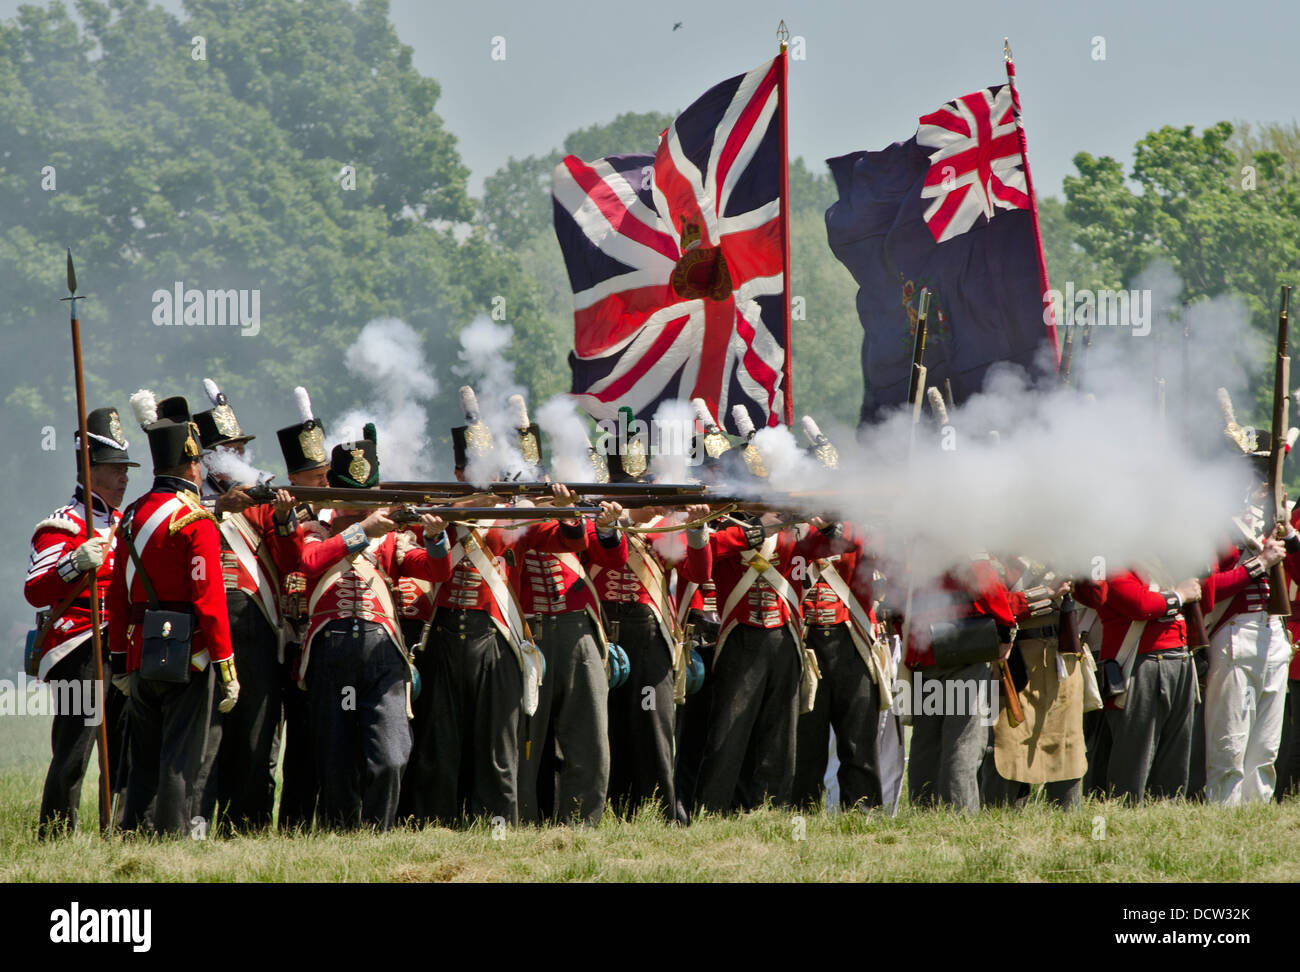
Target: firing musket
{"points": [[327, 496], [513, 488], [1067, 356], [1279, 601]]}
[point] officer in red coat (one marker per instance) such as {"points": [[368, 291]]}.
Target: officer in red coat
{"points": [[62, 564], [177, 567]]}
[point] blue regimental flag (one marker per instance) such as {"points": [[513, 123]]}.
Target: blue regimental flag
{"points": [[950, 209]]}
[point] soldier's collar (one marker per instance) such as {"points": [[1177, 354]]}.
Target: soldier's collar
{"points": [[173, 484], [96, 501]]}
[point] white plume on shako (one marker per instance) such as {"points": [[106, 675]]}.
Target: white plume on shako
{"points": [[388, 356]]}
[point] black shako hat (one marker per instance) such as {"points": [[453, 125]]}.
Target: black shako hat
{"points": [[107, 440], [303, 444], [355, 465], [218, 425], [174, 440]]}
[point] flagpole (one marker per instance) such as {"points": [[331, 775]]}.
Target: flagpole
{"points": [[1043, 285], [105, 801], [783, 35]]}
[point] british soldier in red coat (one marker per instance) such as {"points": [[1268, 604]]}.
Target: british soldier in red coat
{"points": [[63, 562], [353, 658], [178, 570]]}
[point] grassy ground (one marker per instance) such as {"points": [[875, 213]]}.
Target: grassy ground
{"points": [[1100, 842]]}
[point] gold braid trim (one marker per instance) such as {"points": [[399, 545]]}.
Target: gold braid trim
{"points": [[177, 525]]}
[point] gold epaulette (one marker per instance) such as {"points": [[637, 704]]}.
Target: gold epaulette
{"points": [[196, 512]]}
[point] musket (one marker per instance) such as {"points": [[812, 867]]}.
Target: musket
{"points": [[322, 496], [528, 489], [916, 385], [1067, 356], [1279, 602], [411, 514], [96, 647]]}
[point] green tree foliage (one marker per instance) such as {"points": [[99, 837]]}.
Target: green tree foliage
{"points": [[1221, 210], [223, 172]]}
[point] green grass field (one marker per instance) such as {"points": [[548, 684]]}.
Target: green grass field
{"points": [[1100, 842]]}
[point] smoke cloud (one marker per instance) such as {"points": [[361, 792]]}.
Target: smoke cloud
{"points": [[388, 356]]}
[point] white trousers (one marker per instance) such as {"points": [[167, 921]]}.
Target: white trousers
{"points": [[1245, 693]]}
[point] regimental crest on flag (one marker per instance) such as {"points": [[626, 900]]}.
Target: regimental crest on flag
{"points": [[976, 166], [676, 261]]}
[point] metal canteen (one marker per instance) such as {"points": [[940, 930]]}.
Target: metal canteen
{"points": [[694, 673], [619, 666]]}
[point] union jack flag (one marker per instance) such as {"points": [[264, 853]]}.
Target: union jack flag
{"points": [[976, 165], [676, 261]]}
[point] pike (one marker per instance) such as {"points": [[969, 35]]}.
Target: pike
{"points": [[1279, 602], [96, 650]]}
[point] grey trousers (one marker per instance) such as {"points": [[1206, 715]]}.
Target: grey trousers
{"points": [[847, 700], [468, 753], [750, 745], [72, 742], [168, 725], [1151, 737], [948, 747], [642, 716], [565, 743], [356, 680]]}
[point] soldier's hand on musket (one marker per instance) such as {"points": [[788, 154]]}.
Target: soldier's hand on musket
{"points": [[1065, 587], [1189, 590], [284, 504], [433, 526], [561, 495], [377, 524], [695, 512], [234, 500], [1273, 553], [609, 515]]}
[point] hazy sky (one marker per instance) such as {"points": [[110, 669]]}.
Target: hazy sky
{"points": [[870, 70]]}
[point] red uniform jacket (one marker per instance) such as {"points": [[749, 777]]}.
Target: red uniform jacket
{"points": [[280, 544], [546, 585], [1129, 598], [182, 557], [977, 593], [762, 606], [345, 594], [821, 605], [466, 590], [50, 575]]}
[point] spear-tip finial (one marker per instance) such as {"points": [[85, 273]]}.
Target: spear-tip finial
{"points": [[782, 34], [1006, 48], [72, 274]]}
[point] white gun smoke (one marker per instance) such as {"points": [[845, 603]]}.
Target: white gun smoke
{"points": [[485, 367], [566, 432], [226, 462], [389, 357], [1087, 481]]}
